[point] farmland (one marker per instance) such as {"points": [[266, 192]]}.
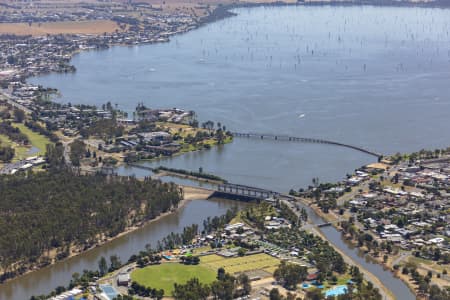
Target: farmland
{"points": [[69, 27]]}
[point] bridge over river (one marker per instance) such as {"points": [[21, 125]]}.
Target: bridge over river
{"points": [[244, 192], [281, 137]]}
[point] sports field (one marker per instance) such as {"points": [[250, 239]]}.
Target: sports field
{"points": [[259, 261], [163, 276]]}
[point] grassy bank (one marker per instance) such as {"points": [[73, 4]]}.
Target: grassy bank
{"points": [[38, 141]]}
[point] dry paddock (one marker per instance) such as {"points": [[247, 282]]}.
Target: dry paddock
{"points": [[39, 29]]}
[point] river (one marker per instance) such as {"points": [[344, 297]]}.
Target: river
{"points": [[375, 77], [45, 280], [395, 285]]}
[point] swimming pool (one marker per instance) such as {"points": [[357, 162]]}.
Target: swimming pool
{"points": [[109, 291], [336, 291]]}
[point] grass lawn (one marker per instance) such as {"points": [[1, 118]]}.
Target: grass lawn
{"points": [[241, 264], [201, 249], [20, 151], [163, 276], [37, 140]]}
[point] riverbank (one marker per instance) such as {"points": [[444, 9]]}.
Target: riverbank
{"points": [[333, 219], [189, 194], [385, 292]]}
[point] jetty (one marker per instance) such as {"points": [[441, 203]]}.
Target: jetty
{"points": [[281, 137]]}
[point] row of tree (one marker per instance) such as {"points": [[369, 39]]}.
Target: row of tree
{"points": [[36, 127]]}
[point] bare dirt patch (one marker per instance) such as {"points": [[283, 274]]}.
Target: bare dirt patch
{"points": [[80, 27]]}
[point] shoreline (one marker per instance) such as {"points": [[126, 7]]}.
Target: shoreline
{"points": [[224, 11], [387, 293], [193, 193], [405, 279]]}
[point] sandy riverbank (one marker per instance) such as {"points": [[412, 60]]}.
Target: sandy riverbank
{"points": [[195, 193]]}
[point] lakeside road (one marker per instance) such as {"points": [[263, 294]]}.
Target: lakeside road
{"points": [[7, 98]]}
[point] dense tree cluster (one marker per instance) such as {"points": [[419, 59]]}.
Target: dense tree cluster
{"points": [[144, 291], [213, 224], [290, 275], [6, 153], [103, 128], [13, 133], [46, 210], [226, 287], [275, 295], [19, 115], [321, 253], [77, 151]]}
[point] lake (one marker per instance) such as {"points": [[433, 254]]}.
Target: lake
{"points": [[375, 77]]}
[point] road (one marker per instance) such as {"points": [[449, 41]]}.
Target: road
{"points": [[401, 257], [7, 98]]}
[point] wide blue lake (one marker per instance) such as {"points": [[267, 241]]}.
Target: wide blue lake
{"points": [[376, 77]]}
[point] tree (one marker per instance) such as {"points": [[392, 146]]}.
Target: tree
{"points": [[220, 273], [244, 282], [102, 266], [77, 151], [193, 289], [19, 115], [289, 274], [275, 294], [6, 153], [159, 294], [314, 294], [223, 289], [241, 251], [115, 263]]}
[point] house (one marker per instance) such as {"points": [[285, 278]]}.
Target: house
{"points": [[155, 137], [123, 279]]}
